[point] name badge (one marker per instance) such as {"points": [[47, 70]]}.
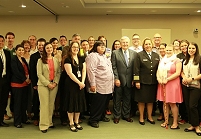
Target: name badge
{"points": [[144, 59], [78, 73]]}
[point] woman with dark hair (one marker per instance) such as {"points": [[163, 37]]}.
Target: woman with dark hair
{"points": [[116, 45], [101, 81], [19, 83], [191, 74], [75, 68], [48, 71], [182, 108]]}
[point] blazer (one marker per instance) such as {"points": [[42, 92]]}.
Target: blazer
{"points": [[18, 73], [121, 71], [32, 64], [146, 68], [8, 66], [43, 72]]}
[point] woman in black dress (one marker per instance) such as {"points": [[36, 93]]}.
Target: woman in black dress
{"points": [[75, 68]]}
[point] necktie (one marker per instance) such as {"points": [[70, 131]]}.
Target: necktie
{"points": [[149, 55], [126, 58], [1, 55]]}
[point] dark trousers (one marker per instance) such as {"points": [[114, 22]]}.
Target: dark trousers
{"points": [[122, 94], [62, 113], [11, 101], [191, 98], [98, 106], [20, 99], [199, 109], [36, 104], [134, 106], [4, 91]]}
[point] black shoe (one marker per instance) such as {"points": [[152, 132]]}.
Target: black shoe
{"points": [[73, 128], [4, 124], [151, 122], [142, 123], [94, 124], [27, 122], [105, 119], [44, 131], [52, 126], [77, 126], [198, 133], [18, 126], [174, 127], [128, 119], [189, 130]]}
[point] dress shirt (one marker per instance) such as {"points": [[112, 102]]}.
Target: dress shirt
{"points": [[136, 49], [3, 61], [100, 73]]}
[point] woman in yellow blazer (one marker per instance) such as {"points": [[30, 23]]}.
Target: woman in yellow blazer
{"points": [[48, 71]]}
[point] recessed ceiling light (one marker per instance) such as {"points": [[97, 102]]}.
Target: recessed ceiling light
{"points": [[198, 11], [23, 6], [65, 6]]}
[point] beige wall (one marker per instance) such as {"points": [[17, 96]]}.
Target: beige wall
{"points": [[181, 26]]}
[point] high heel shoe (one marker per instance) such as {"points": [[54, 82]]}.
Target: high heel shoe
{"points": [[151, 122], [77, 126], [73, 128]]}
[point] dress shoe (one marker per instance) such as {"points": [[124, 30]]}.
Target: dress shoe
{"points": [[6, 117], [198, 133], [64, 123], [72, 128], [44, 131], [151, 122], [174, 127], [4, 124], [128, 119], [36, 122], [142, 123], [189, 130], [116, 120], [77, 126], [18, 126], [52, 126], [105, 119], [94, 124]]}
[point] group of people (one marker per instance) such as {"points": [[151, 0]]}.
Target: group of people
{"points": [[83, 76]]}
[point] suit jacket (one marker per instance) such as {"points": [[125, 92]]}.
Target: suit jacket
{"points": [[43, 72], [121, 71], [18, 73], [8, 66], [32, 64], [145, 69]]}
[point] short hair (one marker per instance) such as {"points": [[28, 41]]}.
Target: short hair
{"points": [[99, 37], [135, 35], [9, 33], [62, 36], [75, 35], [18, 46], [83, 41], [124, 37], [41, 40], [185, 42], [163, 44], [143, 43], [1, 36], [52, 40], [25, 41], [32, 36]]}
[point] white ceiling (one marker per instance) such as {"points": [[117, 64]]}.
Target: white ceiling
{"points": [[99, 7]]}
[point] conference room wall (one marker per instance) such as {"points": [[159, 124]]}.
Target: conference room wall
{"points": [[182, 26]]}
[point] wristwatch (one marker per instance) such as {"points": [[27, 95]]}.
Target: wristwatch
{"points": [[193, 79]]}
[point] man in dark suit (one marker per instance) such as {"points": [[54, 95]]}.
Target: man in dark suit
{"points": [[122, 64], [5, 75], [34, 78]]}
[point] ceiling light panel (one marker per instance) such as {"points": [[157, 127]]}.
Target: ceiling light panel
{"points": [[89, 1], [108, 1], [157, 1], [181, 1], [133, 1]]}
